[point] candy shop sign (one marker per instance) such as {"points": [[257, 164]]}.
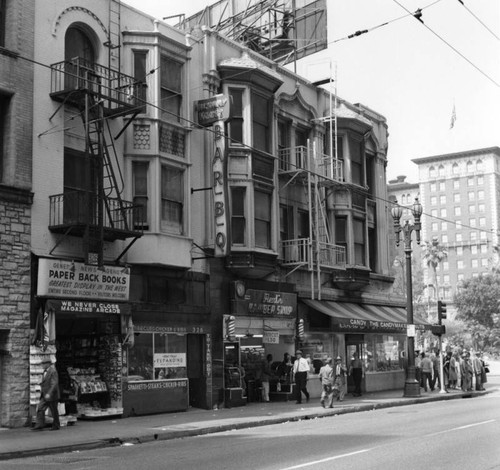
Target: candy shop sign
{"points": [[69, 279]]}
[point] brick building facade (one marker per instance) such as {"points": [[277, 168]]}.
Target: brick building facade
{"points": [[16, 110]]}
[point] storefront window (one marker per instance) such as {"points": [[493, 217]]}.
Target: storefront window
{"points": [[157, 356], [316, 349], [384, 352]]}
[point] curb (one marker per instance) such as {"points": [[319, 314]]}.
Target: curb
{"points": [[180, 434]]}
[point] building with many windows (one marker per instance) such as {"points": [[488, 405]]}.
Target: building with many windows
{"points": [[195, 207], [460, 195], [16, 197]]}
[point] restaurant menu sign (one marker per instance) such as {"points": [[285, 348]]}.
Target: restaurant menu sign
{"points": [[68, 279]]}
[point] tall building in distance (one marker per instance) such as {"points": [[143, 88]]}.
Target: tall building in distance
{"points": [[460, 193]]}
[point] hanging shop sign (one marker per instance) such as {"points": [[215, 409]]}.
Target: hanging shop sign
{"points": [[69, 279], [219, 190], [211, 110], [271, 337], [266, 304]]}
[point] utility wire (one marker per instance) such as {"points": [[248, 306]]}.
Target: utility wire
{"points": [[418, 15], [349, 186], [364, 31], [478, 19]]}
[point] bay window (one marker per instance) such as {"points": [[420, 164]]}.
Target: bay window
{"points": [[170, 89], [262, 219], [140, 194], [172, 199], [235, 123], [238, 222]]}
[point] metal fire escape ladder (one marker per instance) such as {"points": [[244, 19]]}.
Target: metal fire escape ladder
{"points": [[114, 35]]}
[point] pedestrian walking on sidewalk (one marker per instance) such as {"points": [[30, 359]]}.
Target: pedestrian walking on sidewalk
{"points": [[339, 383], [300, 370], [326, 379], [265, 377], [49, 398]]}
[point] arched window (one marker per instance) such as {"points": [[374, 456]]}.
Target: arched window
{"points": [[470, 167], [432, 172], [479, 165], [454, 169], [441, 170], [79, 54]]}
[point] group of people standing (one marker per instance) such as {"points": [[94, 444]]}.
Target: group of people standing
{"points": [[459, 370]]}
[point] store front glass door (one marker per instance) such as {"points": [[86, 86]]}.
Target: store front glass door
{"points": [[355, 344]]}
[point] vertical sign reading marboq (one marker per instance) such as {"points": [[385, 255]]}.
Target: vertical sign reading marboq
{"points": [[214, 111]]}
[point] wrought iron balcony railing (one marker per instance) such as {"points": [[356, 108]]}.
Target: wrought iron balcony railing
{"points": [[77, 210], [118, 92], [300, 251]]}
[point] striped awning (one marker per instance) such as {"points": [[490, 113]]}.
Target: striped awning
{"points": [[350, 317]]}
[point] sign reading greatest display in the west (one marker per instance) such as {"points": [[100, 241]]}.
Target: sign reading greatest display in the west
{"points": [[67, 279]]}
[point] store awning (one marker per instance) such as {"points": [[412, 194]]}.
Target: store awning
{"points": [[350, 317]]}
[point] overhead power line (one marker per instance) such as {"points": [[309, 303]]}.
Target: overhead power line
{"points": [[418, 16]]}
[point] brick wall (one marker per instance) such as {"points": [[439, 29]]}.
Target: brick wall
{"points": [[15, 262]]}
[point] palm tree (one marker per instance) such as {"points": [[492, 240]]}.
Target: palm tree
{"points": [[433, 254]]}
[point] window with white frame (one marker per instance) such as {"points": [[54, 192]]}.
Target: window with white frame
{"points": [[473, 249], [460, 277], [433, 187], [236, 117], [444, 226], [238, 215], [460, 251], [473, 236], [172, 200], [456, 197], [140, 194], [480, 208], [458, 210], [471, 195], [434, 213], [170, 89], [470, 181], [460, 264], [470, 167], [433, 200], [442, 212], [442, 199], [458, 237], [480, 180], [480, 195], [483, 235], [456, 184], [482, 221], [359, 241], [484, 249], [262, 219], [445, 265], [479, 165], [441, 171], [474, 263], [472, 209], [472, 222], [484, 262], [442, 186], [261, 130], [434, 226], [455, 169], [432, 172], [444, 238]]}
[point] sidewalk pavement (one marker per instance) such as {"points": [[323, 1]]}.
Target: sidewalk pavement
{"points": [[85, 435]]}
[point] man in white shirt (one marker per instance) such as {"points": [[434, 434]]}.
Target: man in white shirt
{"points": [[300, 371]]}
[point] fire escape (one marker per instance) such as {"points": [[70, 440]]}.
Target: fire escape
{"points": [[316, 173], [98, 214]]}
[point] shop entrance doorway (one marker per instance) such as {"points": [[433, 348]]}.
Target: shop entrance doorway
{"points": [[355, 344], [195, 366]]}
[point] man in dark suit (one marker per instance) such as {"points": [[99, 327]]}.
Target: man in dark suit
{"points": [[49, 398]]}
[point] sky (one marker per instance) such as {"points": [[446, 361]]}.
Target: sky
{"points": [[417, 75]]}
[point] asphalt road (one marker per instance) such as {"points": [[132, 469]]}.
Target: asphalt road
{"points": [[455, 434]]}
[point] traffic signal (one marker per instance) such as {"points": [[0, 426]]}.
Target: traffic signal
{"points": [[441, 311]]}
